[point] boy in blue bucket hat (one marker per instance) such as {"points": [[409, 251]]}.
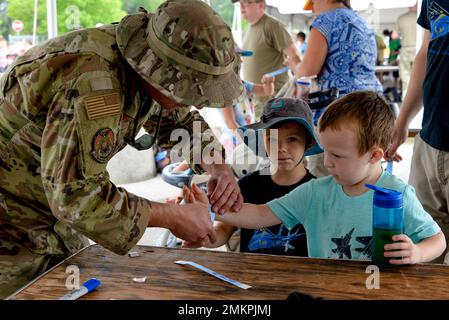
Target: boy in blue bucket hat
{"points": [[286, 135]]}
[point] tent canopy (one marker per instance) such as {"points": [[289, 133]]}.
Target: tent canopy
{"points": [[295, 6]]}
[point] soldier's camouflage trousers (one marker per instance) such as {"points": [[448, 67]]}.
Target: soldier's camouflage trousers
{"points": [[18, 265], [30, 243]]}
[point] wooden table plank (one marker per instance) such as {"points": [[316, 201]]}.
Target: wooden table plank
{"points": [[271, 277]]}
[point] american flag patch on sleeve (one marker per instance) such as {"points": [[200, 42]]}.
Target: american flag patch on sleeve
{"points": [[102, 105]]}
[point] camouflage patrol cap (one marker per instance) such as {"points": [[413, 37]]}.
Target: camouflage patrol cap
{"points": [[186, 51]]}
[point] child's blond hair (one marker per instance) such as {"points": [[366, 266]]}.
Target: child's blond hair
{"points": [[368, 111]]}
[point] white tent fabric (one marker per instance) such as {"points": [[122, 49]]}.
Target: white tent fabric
{"points": [[295, 6], [381, 4]]}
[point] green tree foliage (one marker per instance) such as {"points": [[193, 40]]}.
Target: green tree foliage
{"points": [[5, 22], [91, 13], [224, 8], [131, 6], [72, 14]]}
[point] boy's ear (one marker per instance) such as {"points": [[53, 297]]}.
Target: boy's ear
{"points": [[377, 154]]}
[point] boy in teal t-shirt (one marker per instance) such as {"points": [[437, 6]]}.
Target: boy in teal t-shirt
{"points": [[336, 211]]}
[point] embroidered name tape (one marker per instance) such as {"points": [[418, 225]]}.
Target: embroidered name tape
{"points": [[213, 273], [103, 105]]}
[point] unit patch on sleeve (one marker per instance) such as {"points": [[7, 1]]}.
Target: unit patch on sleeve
{"points": [[103, 145]]}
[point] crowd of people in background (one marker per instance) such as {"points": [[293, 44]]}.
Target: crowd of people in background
{"points": [[270, 42], [9, 52]]}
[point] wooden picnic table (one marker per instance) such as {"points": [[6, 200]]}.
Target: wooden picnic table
{"points": [[271, 277]]}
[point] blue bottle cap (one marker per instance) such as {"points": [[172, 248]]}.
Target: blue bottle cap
{"points": [[91, 284], [386, 198]]}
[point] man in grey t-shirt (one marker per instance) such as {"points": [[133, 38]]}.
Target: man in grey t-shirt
{"points": [[269, 41]]}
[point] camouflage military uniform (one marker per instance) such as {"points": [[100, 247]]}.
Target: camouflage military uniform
{"points": [[66, 108]]}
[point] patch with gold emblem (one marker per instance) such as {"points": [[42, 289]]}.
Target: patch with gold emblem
{"points": [[103, 145]]}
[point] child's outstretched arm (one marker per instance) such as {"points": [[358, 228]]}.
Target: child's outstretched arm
{"points": [[406, 252], [251, 216]]}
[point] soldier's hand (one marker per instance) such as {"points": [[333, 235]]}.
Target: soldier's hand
{"points": [[193, 224], [195, 245], [223, 190]]}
